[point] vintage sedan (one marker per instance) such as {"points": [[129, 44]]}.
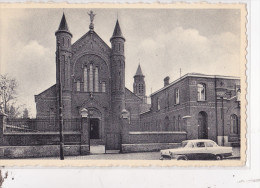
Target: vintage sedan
{"points": [[201, 149]]}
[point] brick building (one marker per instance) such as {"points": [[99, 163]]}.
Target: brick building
{"points": [[92, 77], [200, 105]]}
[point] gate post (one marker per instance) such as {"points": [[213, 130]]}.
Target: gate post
{"points": [[2, 127], [84, 147], [124, 120]]}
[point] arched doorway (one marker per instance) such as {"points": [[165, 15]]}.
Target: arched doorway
{"points": [[234, 124], [94, 128], [202, 125]]}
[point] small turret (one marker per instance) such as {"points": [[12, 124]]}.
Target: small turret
{"points": [[63, 35], [117, 75], [63, 54], [117, 40], [139, 84]]}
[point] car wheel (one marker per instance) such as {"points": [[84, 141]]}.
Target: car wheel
{"points": [[218, 157], [183, 158]]}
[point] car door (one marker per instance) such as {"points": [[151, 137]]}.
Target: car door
{"points": [[211, 149], [199, 151]]}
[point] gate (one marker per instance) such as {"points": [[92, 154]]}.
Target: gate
{"points": [[113, 141]]}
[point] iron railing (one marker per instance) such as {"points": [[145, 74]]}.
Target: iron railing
{"points": [[41, 125]]}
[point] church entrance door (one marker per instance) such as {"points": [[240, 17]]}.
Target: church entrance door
{"points": [[94, 129]]}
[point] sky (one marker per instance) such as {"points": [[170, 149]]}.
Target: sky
{"points": [[163, 41]]}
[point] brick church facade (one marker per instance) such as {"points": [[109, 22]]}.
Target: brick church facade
{"points": [[93, 77]]}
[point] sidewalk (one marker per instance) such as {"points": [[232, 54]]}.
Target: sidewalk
{"points": [[236, 153]]}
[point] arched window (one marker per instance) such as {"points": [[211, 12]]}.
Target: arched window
{"points": [[78, 85], [158, 104], [234, 124], [179, 123], [201, 89], [85, 79], [103, 87], [238, 94], [177, 96], [96, 80], [174, 124], [91, 78], [166, 123]]}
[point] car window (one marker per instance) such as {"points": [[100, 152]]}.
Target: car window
{"points": [[200, 144], [184, 144], [209, 144]]}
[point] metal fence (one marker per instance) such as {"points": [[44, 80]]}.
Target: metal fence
{"points": [[41, 125]]}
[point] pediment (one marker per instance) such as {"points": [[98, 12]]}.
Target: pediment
{"points": [[90, 42]]}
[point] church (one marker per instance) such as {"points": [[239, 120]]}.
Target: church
{"points": [[92, 77]]}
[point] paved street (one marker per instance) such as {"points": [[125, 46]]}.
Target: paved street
{"points": [[127, 156]]}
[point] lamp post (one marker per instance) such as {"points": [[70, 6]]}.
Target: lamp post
{"points": [[222, 117], [60, 105]]}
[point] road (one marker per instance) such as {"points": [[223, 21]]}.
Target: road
{"points": [[122, 156]]}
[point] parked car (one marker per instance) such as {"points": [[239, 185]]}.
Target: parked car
{"points": [[200, 149]]}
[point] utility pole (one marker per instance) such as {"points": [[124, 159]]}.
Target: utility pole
{"points": [[180, 72], [60, 107], [222, 117]]}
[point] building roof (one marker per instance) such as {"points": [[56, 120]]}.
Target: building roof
{"points": [[139, 71], [198, 75], [117, 31], [63, 24]]}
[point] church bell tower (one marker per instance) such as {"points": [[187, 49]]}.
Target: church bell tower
{"points": [[139, 84], [117, 75], [63, 64]]}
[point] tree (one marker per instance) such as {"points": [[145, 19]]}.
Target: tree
{"points": [[8, 96], [25, 113], [8, 93]]}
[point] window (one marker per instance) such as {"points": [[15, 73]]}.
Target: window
{"points": [[158, 104], [174, 123], [96, 80], [234, 124], [177, 96], [91, 78], [85, 79], [78, 85], [201, 88], [238, 94], [103, 87], [179, 123], [210, 144], [200, 144]]}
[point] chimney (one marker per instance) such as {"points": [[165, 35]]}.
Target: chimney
{"points": [[166, 81]]}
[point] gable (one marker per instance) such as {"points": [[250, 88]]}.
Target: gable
{"points": [[48, 93], [129, 95], [90, 42]]}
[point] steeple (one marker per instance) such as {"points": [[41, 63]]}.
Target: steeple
{"points": [[117, 32], [63, 24], [139, 84], [139, 71]]}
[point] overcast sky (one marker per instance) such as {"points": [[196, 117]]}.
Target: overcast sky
{"points": [[202, 41]]}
